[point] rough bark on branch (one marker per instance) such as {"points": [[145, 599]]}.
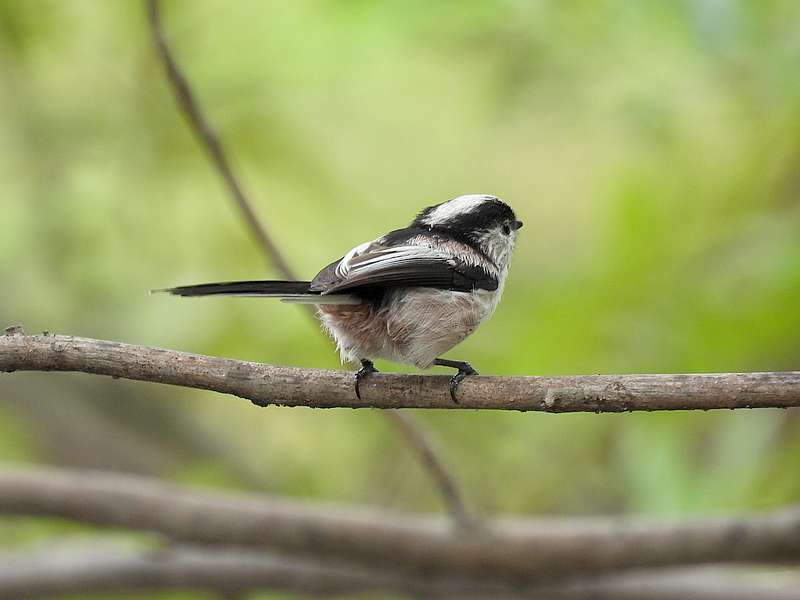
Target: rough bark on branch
{"points": [[103, 567], [509, 549], [266, 384]]}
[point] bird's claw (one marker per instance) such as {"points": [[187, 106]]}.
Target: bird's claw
{"points": [[464, 371], [366, 368]]}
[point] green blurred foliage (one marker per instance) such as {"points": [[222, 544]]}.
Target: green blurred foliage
{"points": [[651, 148]]}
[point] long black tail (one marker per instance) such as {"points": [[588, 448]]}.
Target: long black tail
{"points": [[288, 291], [278, 289]]}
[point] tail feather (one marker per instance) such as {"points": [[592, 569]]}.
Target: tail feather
{"points": [[243, 288], [288, 291]]}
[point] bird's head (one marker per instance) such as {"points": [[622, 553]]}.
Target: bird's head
{"points": [[479, 219]]}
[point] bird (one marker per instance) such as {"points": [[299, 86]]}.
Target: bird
{"points": [[408, 296]]}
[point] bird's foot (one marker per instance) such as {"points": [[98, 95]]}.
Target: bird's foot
{"points": [[366, 368], [455, 381], [464, 370]]}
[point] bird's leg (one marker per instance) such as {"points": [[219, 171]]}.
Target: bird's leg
{"points": [[366, 368], [464, 369]]}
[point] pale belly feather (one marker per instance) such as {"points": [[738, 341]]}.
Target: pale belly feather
{"points": [[412, 325]]}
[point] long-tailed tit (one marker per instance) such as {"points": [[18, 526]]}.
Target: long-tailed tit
{"points": [[410, 295]]}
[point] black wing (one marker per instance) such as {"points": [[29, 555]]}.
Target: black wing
{"points": [[374, 265]]}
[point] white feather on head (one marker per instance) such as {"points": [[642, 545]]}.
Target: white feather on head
{"points": [[457, 206]]}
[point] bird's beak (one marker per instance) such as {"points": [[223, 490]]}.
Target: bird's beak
{"points": [[517, 224]]}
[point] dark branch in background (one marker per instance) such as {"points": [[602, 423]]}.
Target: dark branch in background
{"points": [[507, 550], [290, 386], [103, 567], [211, 142], [70, 432], [416, 437]]}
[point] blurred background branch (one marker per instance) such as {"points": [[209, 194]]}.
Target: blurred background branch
{"points": [[209, 139], [103, 566], [509, 549]]}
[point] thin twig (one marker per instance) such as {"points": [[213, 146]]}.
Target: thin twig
{"points": [[545, 550], [209, 139], [432, 462], [290, 386], [416, 437]]}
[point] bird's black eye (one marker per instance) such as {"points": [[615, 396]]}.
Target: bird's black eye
{"points": [[506, 229]]}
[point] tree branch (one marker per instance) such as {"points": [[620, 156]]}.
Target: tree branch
{"points": [[414, 435], [289, 386], [517, 550], [103, 567], [210, 141], [418, 439]]}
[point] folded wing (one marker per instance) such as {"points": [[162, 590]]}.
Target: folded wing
{"points": [[374, 265]]}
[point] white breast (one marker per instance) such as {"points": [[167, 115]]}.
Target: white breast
{"points": [[424, 323]]}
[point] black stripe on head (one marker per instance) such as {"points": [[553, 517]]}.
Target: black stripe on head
{"points": [[476, 213]]}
